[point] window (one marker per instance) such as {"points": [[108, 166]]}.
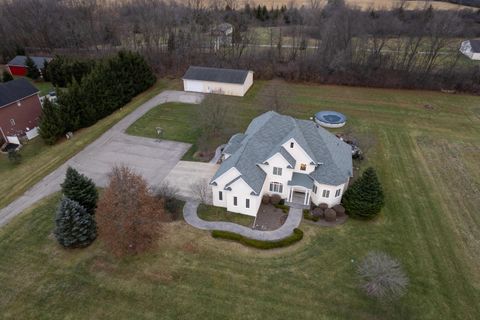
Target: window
{"points": [[337, 193], [234, 201], [220, 195], [277, 171], [326, 193], [247, 203], [303, 167], [314, 189], [292, 145], [276, 187], [12, 122]]}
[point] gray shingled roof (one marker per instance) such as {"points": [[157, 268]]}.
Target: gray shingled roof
{"points": [[20, 61], [216, 75], [264, 137], [15, 90], [475, 45], [301, 179]]}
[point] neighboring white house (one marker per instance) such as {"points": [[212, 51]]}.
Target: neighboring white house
{"points": [[277, 154], [217, 80], [222, 36], [471, 48]]}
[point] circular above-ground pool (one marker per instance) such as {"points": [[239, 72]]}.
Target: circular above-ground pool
{"points": [[330, 119]]}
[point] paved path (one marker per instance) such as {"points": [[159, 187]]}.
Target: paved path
{"points": [[293, 221], [151, 158]]}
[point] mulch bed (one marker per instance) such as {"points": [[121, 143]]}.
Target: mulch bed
{"points": [[323, 223]]}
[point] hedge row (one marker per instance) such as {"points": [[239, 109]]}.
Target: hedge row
{"points": [[296, 236], [309, 216]]}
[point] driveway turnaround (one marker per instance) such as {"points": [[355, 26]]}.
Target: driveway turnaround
{"points": [[293, 221], [151, 158], [188, 173]]}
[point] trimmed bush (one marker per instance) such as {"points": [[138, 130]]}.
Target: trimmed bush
{"points": [[323, 206], [307, 215], [339, 209], [364, 198], [275, 199], [283, 207], [330, 215], [296, 236], [317, 212], [265, 199]]}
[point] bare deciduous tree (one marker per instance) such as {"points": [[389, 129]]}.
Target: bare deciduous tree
{"points": [[201, 190], [128, 216]]}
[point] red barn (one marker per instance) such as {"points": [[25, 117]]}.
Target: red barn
{"points": [[17, 66], [20, 109]]}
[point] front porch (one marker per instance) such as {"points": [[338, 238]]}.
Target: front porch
{"points": [[299, 193]]}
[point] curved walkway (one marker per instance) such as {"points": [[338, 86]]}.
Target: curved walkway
{"points": [[293, 221]]}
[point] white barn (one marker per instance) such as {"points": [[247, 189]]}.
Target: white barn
{"points": [[471, 48], [296, 159], [231, 82]]}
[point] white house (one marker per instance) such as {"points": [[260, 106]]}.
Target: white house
{"points": [[277, 154], [471, 48], [217, 80]]}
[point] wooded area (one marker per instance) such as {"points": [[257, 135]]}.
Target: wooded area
{"points": [[328, 44]]}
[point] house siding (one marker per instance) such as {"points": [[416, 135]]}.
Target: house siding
{"points": [[25, 116], [219, 87]]}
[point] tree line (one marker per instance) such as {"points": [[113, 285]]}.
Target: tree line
{"points": [[109, 85], [330, 44]]}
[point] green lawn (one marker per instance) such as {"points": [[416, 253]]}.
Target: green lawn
{"points": [[429, 163], [211, 213], [39, 159], [43, 86]]}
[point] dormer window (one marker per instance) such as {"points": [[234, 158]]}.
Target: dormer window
{"points": [[292, 145], [303, 167]]}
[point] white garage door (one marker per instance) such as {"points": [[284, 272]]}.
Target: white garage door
{"points": [[194, 86]]}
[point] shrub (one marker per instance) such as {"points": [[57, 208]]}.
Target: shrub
{"points": [[74, 226], [317, 212], [364, 198], [266, 199], [7, 76], [14, 156], [339, 209], [296, 236], [169, 195], [323, 206], [51, 123], [283, 207], [80, 188], [32, 69], [382, 276], [275, 199], [309, 216], [330, 215]]}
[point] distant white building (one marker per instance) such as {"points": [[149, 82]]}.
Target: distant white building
{"points": [[222, 36], [232, 82], [295, 159], [471, 48]]}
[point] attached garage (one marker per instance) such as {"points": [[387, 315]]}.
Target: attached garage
{"points": [[233, 82]]}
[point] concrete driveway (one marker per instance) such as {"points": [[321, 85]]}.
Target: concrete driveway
{"points": [[187, 173], [151, 158]]}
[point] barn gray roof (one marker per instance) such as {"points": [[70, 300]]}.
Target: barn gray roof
{"points": [[216, 75], [20, 61], [15, 90], [266, 134], [475, 44]]}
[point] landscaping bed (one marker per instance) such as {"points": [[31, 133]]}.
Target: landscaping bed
{"points": [[212, 213]]}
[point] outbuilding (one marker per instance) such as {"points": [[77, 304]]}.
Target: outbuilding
{"points": [[20, 110], [471, 48], [17, 66], [233, 82]]}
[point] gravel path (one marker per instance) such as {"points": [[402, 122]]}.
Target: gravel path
{"points": [[293, 221], [151, 158]]}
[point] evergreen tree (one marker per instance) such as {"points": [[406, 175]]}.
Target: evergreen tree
{"points": [[32, 69], [7, 76], [51, 124], [74, 226], [81, 189], [364, 198], [45, 75]]}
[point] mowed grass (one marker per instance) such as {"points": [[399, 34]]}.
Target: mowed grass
{"points": [[39, 159], [211, 213], [429, 163]]}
